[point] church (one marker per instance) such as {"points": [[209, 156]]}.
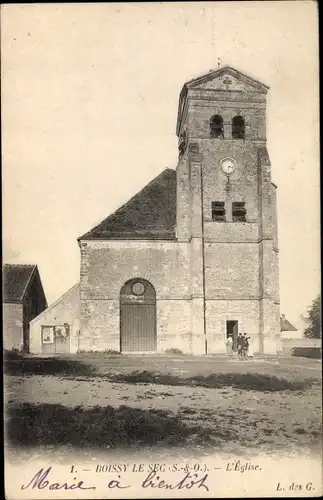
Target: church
{"points": [[193, 257]]}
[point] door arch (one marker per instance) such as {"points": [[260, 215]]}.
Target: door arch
{"points": [[138, 316]]}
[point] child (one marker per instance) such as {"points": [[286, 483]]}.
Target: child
{"points": [[245, 345]]}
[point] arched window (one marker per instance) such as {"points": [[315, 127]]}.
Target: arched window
{"points": [[216, 127], [238, 127]]}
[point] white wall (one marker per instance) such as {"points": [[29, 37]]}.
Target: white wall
{"points": [[65, 310]]}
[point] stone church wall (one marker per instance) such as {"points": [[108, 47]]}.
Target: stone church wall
{"points": [[244, 182], [218, 312], [231, 270], [107, 265], [203, 106], [237, 269]]}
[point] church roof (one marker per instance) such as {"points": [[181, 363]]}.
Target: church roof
{"points": [[15, 281], [150, 214], [285, 325]]}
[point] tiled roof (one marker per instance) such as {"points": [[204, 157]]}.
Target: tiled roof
{"points": [[286, 326], [15, 280], [150, 214]]}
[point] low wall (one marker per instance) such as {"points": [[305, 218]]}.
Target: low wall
{"points": [[289, 344], [307, 348]]}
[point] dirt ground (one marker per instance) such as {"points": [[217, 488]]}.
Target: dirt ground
{"points": [[234, 419]]}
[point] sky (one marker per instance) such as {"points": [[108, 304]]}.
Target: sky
{"points": [[89, 105]]}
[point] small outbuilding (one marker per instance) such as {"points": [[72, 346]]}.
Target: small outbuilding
{"points": [[293, 337], [23, 300], [287, 329]]}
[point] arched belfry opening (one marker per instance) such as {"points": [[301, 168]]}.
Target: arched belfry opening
{"points": [[216, 127], [238, 127], [138, 316]]}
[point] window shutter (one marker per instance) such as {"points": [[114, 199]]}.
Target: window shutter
{"points": [[238, 211], [218, 211]]}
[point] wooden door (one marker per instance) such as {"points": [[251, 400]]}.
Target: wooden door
{"points": [[62, 339], [55, 339], [232, 329], [138, 317]]}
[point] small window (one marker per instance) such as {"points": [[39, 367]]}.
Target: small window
{"points": [[216, 127], [238, 127], [239, 211], [218, 211]]}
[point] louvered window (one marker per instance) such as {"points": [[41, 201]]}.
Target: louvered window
{"points": [[218, 211], [238, 211]]}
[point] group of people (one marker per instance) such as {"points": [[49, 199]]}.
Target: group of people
{"points": [[243, 346]]}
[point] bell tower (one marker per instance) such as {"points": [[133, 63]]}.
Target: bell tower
{"points": [[226, 211]]}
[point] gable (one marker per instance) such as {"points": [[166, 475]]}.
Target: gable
{"points": [[35, 290], [225, 82], [150, 214], [15, 281], [72, 296], [227, 79]]}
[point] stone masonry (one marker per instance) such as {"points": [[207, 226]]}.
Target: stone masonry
{"points": [[205, 272]]}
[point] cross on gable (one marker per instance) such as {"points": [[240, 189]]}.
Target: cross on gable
{"points": [[227, 82]]}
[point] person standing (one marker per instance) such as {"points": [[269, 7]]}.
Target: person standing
{"points": [[229, 344], [240, 345], [245, 345]]}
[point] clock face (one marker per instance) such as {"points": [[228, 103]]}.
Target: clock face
{"points": [[228, 166]]}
